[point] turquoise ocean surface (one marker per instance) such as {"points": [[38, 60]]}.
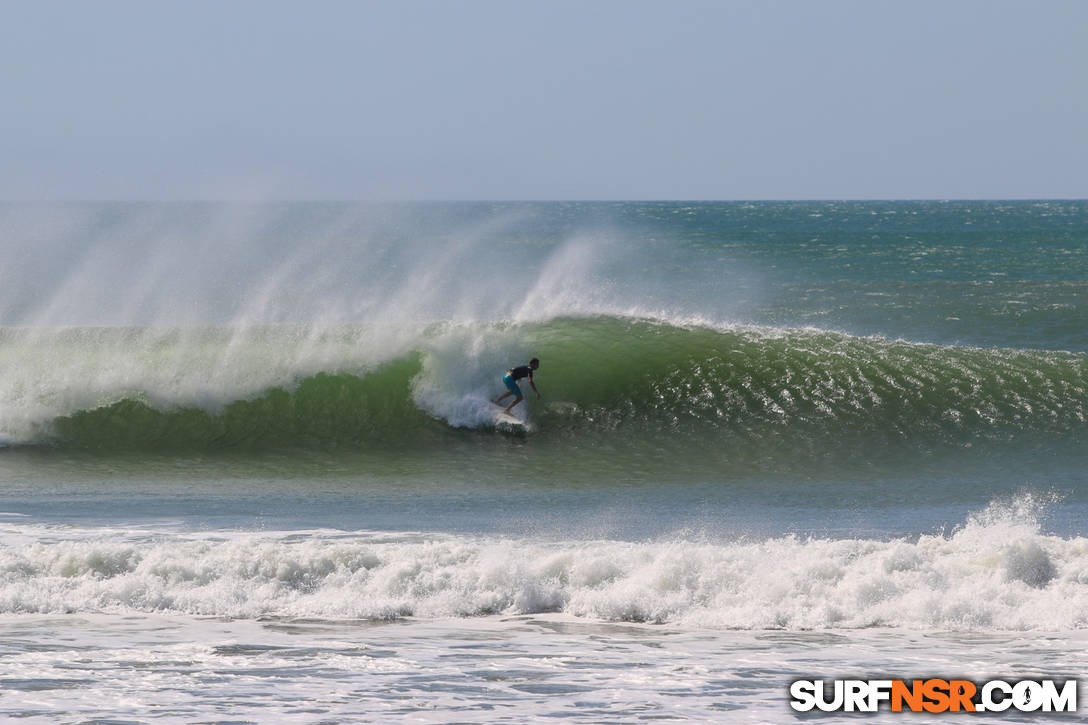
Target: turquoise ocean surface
{"points": [[249, 470]]}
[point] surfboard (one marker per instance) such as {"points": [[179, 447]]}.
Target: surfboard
{"points": [[507, 421]]}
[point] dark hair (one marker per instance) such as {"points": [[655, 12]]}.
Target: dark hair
{"points": [[534, 360]]}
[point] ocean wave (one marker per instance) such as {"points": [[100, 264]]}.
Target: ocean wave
{"points": [[995, 572], [603, 379]]}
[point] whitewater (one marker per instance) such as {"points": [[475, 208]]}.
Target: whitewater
{"points": [[249, 469]]}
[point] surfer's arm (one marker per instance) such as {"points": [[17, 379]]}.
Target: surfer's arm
{"points": [[534, 387]]}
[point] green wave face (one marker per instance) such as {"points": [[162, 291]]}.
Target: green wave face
{"points": [[637, 394], [747, 380], [322, 410]]}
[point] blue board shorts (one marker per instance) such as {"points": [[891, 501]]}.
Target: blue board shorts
{"points": [[511, 385]]}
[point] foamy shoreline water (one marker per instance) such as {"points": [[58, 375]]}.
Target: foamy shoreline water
{"points": [[177, 669]]}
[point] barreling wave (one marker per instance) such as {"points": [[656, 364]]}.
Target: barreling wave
{"points": [[321, 410], [610, 381], [995, 572]]}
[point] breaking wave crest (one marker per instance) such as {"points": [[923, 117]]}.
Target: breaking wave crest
{"points": [[996, 571]]}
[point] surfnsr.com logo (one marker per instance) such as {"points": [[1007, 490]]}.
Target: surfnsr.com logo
{"points": [[934, 695]]}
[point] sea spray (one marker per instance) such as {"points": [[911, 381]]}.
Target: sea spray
{"points": [[241, 265]]}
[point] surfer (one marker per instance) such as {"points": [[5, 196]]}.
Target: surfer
{"points": [[510, 380]]}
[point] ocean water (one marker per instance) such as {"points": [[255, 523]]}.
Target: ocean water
{"points": [[249, 471]]}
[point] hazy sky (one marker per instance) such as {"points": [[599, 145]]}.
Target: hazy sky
{"points": [[588, 99]]}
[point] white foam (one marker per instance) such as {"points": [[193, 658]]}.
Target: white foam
{"points": [[992, 575]]}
